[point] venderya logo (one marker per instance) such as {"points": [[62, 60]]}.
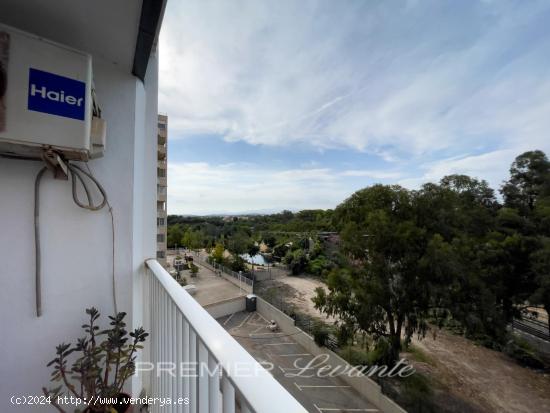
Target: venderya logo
{"points": [[56, 95]]}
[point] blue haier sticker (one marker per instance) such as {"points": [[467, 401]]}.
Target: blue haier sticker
{"points": [[56, 95]]}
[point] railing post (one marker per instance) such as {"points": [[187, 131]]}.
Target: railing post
{"points": [[154, 334], [180, 391], [213, 385], [186, 358], [203, 378], [228, 395], [193, 364]]}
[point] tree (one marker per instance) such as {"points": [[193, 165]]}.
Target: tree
{"points": [[217, 254], [238, 243], [296, 261], [175, 234], [529, 175], [541, 267], [383, 291], [253, 249], [270, 240], [192, 239]]}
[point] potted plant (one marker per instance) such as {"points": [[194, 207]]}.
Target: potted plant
{"points": [[102, 361]]}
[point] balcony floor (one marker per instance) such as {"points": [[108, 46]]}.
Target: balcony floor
{"points": [[317, 395]]}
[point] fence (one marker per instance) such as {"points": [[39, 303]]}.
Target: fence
{"points": [[304, 322], [534, 327], [184, 334], [244, 278]]}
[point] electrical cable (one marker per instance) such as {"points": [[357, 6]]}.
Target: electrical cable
{"points": [[37, 257], [113, 243], [76, 173]]}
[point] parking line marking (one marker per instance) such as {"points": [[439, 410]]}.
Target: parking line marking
{"points": [[261, 316], [279, 344], [283, 369], [291, 355], [229, 318], [245, 320], [257, 329], [302, 386], [336, 409]]}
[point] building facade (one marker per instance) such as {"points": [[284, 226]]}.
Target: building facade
{"points": [[162, 146]]}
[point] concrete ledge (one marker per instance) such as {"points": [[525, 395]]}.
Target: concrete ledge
{"points": [[363, 385], [226, 307]]}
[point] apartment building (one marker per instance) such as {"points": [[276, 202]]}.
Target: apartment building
{"points": [[162, 187]]}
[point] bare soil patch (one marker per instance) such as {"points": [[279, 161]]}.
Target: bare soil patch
{"points": [[486, 378], [466, 374]]}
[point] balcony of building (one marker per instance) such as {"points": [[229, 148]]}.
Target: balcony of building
{"points": [[162, 138], [183, 333], [161, 151]]}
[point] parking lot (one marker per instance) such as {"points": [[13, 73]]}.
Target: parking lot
{"points": [[316, 394]]}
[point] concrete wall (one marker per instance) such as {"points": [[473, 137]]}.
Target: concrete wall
{"points": [[76, 243], [226, 307], [363, 385]]}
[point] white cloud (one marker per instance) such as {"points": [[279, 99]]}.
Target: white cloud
{"points": [[492, 167], [395, 81], [375, 174], [431, 88], [201, 188]]}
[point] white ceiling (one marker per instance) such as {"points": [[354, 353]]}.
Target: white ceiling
{"points": [[106, 28]]}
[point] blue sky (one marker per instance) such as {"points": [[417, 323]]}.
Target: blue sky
{"points": [[297, 104]]}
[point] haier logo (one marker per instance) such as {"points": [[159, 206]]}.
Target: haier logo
{"points": [[56, 95]]}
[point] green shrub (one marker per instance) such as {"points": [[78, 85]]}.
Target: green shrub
{"points": [[354, 356], [381, 354], [237, 264], [320, 334], [417, 394]]}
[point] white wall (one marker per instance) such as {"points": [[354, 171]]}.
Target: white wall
{"points": [[76, 243], [226, 307]]}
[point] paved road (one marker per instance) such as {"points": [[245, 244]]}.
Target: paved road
{"points": [[317, 395]]}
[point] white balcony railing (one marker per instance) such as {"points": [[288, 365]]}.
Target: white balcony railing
{"points": [[183, 334]]}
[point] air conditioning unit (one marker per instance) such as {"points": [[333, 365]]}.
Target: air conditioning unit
{"points": [[46, 99]]}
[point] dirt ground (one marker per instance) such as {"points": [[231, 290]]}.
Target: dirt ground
{"points": [[304, 291], [486, 379]]}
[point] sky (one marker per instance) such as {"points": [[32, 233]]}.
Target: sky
{"points": [[297, 104]]}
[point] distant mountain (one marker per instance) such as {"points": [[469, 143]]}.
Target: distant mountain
{"points": [[236, 214]]}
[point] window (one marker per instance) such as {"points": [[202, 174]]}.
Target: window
{"points": [[160, 237], [162, 126], [161, 172], [160, 222], [160, 254]]}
